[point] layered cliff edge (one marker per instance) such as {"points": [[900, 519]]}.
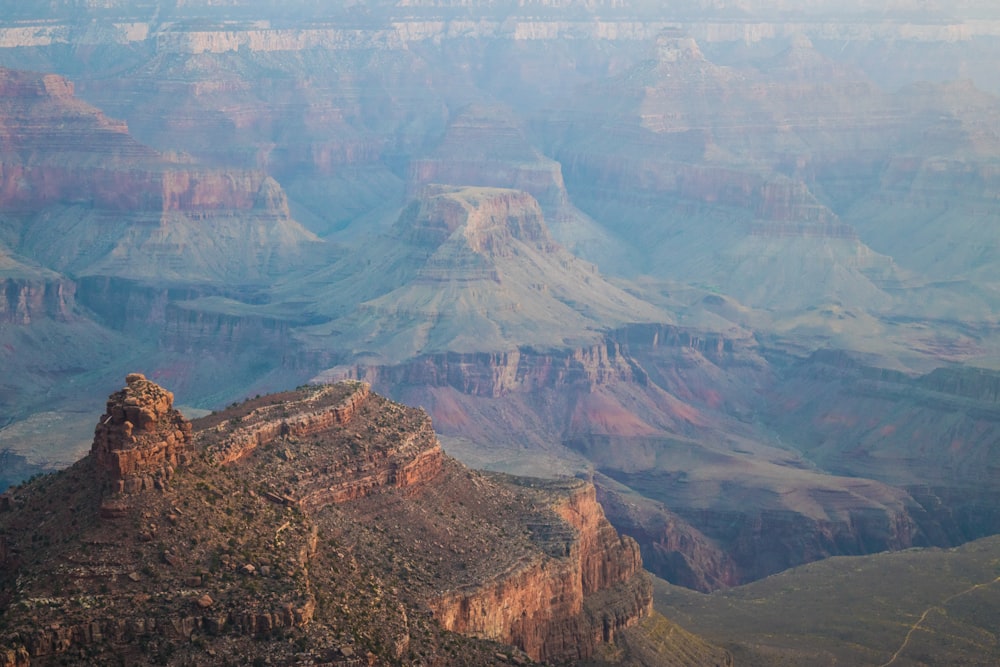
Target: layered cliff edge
{"points": [[323, 525]]}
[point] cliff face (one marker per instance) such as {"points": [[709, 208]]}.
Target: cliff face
{"points": [[528, 370], [647, 408], [542, 607], [671, 547], [230, 26], [141, 438], [23, 300], [94, 198], [57, 148], [307, 514]]}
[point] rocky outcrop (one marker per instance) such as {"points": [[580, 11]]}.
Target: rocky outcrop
{"points": [[23, 300], [489, 218], [541, 606], [141, 439], [672, 549], [322, 513], [321, 410]]}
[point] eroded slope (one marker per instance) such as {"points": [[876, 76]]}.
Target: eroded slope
{"points": [[322, 524]]}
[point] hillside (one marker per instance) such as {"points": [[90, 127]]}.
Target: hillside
{"points": [[323, 524], [918, 607], [463, 270]]}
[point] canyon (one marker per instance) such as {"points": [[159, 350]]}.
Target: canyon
{"points": [[734, 264]]}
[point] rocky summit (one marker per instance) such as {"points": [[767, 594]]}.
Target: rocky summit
{"points": [[319, 526], [141, 438]]}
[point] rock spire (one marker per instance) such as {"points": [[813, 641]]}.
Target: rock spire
{"points": [[141, 438]]}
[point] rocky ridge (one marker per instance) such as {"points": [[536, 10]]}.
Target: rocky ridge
{"points": [[303, 516], [232, 26]]}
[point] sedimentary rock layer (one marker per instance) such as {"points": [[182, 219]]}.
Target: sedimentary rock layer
{"points": [[308, 514]]}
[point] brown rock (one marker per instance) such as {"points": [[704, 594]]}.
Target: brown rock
{"points": [[141, 438], [112, 510], [546, 615], [205, 601]]}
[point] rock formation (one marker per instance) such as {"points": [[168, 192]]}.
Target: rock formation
{"points": [[87, 182], [484, 146], [141, 439], [743, 154], [548, 608], [328, 516], [466, 270]]}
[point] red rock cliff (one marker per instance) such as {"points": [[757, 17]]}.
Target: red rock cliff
{"points": [[141, 438], [544, 605]]}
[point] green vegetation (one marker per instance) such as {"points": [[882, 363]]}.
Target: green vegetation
{"points": [[916, 607]]}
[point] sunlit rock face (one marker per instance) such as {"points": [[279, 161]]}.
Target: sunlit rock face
{"points": [[141, 439]]}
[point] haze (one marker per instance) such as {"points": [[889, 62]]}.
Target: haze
{"points": [[734, 262]]}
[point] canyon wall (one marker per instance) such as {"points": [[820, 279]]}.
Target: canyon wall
{"points": [[262, 36], [23, 300], [499, 374], [541, 606], [58, 149]]}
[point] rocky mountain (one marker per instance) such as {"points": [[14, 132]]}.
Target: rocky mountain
{"points": [[85, 198], [321, 524], [485, 146], [464, 270]]}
